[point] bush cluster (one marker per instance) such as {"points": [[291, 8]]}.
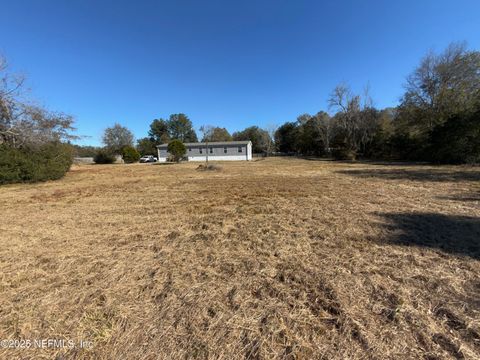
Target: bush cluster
{"points": [[457, 141], [104, 157], [47, 162], [130, 155], [177, 150]]}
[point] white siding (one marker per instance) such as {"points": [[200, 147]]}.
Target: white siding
{"points": [[217, 158], [217, 151]]}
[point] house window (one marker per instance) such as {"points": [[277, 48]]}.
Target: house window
{"points": [[200, 150], [211, 150], [225, 150], [240, 149]]}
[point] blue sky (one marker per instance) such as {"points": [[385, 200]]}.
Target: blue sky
{"points": [[226, 63]]}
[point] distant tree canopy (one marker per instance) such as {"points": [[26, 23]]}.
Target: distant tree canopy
{"points": [[217, 134], [355, 122], [158, 132], [260, 138], [116, 138], [84, 151], [146, 146], [457, 140], [180, 127], [442, 85], [286, 138], [309, 135], [442, 88]]}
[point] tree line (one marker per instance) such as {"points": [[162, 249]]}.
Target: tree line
{"points": [[437, 120]]}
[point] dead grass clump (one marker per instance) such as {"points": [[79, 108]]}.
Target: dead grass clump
{"points": [[209, 167]]}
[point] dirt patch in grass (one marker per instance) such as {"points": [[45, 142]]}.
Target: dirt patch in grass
{"points": [[275, 259], [209, 167]]}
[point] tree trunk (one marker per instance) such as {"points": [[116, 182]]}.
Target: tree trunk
{"points": [[206, 154]]}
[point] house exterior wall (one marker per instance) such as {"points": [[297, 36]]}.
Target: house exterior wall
{"points": [[216, 152], [249, 151], [162, 153], [217, 158]]}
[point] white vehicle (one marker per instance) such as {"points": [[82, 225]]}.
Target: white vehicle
{"points": [[148, 158]]}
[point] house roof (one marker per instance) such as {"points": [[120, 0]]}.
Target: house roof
{"points": [[221, 143]]}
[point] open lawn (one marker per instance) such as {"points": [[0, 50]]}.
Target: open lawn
{"points": [[272, 259]]}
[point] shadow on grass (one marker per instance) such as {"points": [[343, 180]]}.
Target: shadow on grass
{"points": [[364, 161], [472, 196], [458, 235], [415, 174]]}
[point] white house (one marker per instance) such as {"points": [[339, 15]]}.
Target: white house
{"points": [[216, 151]]}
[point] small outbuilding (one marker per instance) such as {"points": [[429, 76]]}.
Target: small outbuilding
{"points": [[216, 151]]}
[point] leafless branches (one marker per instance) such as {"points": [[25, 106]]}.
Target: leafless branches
{"points": [[355, 117], [22, 123], [443, 84]]}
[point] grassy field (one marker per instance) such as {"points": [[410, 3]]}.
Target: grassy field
{"points": [[272, 259]]}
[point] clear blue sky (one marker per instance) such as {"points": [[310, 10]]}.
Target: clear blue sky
{"points": [[226, 63]]}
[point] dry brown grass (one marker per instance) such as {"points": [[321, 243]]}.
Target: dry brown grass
{"points": [[281, 258]]}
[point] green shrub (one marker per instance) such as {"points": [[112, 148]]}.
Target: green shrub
{"points": [[405, 146], [130, 154], [47, 162], [177, 150], [457, 141], [104, 157]]}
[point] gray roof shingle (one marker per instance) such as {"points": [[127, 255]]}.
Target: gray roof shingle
{"points": [[221, 143]]}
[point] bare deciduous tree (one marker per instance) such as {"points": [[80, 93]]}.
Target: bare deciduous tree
{"points": [[324, 123], [442, 85], [207, 132], [270, 130], [348, 106], [117, 137], [23, 123], [356, 117], [217, 134]]}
